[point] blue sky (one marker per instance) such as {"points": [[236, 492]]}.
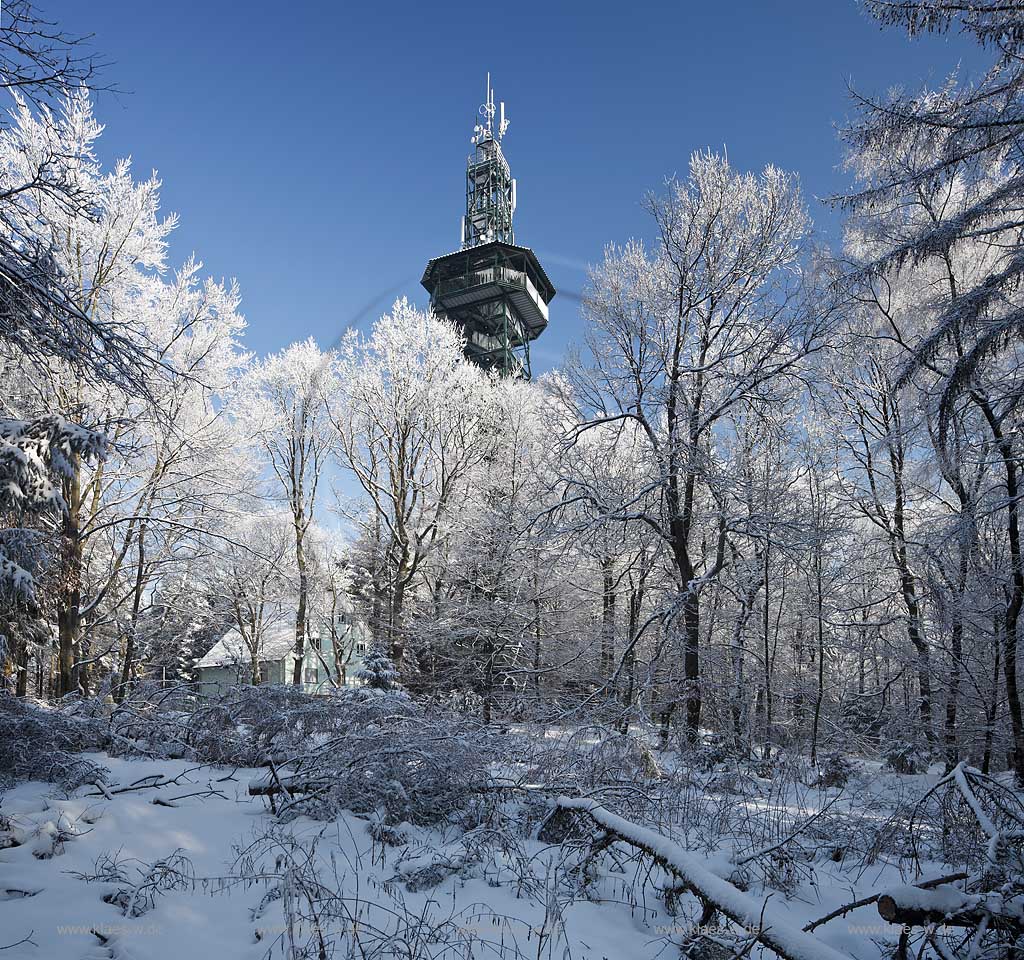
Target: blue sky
{"points": [[316, 151]]}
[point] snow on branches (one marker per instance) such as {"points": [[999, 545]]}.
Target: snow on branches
{"points": [[34, 456]]}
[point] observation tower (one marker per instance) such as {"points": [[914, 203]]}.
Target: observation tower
{"points": [[494, 289]]}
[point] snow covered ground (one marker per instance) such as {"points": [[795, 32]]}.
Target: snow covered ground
{"points": [[48, 901], [171, 859]]}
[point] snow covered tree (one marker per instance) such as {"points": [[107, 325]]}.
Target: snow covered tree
{"points": [[150, 499], [106, 247], [603, 474], [40, 319], [36, 456], [283, 405], [45, 331], [377, 670], [407, 425], [938, 205], [180, 472], [878, 440], [714, 319], [475, 624]]}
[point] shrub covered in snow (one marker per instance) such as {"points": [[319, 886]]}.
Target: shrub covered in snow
{"points": [[904, 757], [591, 756], [835, 770], [364, 749], [40, 743], [384, 753]]}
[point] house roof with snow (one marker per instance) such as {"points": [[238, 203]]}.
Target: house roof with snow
{"points": [[277, 642]]}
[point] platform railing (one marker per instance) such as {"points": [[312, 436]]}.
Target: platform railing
{"points": [[504, 275]]}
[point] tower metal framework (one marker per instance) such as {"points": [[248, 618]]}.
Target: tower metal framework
{"points": [[495, 290]]}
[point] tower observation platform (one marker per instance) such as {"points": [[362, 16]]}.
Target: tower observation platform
{"points": [[494, 290]]}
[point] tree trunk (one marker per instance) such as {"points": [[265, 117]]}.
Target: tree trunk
{"points": [[1016, 600], [920, 645], [67, 638], [69, 600], [1013, 611], [701, 878], [992, 707], [133, 629], [799, 706], [397, 642], [300, 611], [736, 707], [490, 651], [769, 697], [912, 906], [691, 663], [537, 636], [820, 695], [665, 723], [636, 599], [737, 655], [956, 644], [21, 660], [915, 633], [608, 601]]}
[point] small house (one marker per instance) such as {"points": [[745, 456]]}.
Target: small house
{"points": [[332, 658]]}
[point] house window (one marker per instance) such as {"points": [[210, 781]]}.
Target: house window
{"points": [[360, 647], [310, 674], [264, 673]]}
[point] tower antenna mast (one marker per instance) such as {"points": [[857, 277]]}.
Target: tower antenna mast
{"points": [[495, 290]]}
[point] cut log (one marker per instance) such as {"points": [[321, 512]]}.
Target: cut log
{"points": [[914, 907], [866, 901]]}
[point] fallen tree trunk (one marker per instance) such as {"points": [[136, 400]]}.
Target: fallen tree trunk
{"points": [[914, 907], [270, 784], [758, 921], [268, 787]]}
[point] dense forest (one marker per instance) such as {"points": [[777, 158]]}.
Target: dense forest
{"points": [[756, 539]]}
